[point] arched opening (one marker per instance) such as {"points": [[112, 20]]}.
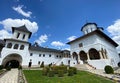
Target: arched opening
{"points": [[9, 45], [12, 64], [16, 46], [83, 56], [75, 56], [94, 54], [13, 60], [22, 47]]}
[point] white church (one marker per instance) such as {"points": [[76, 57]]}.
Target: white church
{"points": [[94, 48]]}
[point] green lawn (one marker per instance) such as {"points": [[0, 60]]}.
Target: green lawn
{"points": [[35, 76]]}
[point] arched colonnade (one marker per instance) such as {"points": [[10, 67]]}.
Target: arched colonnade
{"points": [[92, 54]]}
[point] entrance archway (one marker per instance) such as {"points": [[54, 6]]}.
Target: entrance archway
{"points": [[75, 56], [13, 64], [94, 54], [13, 60], [83, 56]]}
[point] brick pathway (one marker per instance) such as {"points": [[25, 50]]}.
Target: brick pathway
{"points": [[10, 77]]}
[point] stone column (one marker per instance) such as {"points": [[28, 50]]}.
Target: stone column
{"points": [[78, 57], [88, 56], [101, 57]]}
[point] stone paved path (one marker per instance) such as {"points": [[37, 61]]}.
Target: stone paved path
{"points": [[114, 77], [10, 77]]}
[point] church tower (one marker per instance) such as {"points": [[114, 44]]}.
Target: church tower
{"points": [[17, 47]]}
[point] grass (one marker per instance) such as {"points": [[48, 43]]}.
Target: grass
{"points": [[1, 71], [35, 76]]}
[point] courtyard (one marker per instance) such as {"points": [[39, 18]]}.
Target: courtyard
{"points": [[35, 76]]}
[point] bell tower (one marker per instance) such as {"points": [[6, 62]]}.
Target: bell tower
{"points": [[21, 33]]}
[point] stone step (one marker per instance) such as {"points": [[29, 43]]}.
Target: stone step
{"points": [[81, 67]]}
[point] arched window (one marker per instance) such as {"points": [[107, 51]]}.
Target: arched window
{"points": [[9, 45], [75, 56], [16, 46], [83, 55], [21, 47], [94, 54]]}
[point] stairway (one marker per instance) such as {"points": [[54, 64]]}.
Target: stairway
{"points": [[83, 67]]}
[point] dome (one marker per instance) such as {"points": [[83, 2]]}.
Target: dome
{"points": [[89, 27]]}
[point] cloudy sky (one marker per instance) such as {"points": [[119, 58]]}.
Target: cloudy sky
{"points": [[55, 22]]}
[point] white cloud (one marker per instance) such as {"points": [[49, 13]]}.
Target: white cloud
{"points": [[19, 10], [8, 23], [67, 49], [114, 31], [57, 43], [4, 34], [42, 39], [71, 38]]}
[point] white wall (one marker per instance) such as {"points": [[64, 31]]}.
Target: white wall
{"points": [[97, 42], [21, 35], [47, 60], [23, 53]]}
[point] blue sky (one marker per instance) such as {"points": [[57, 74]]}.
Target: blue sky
{"points": [[55, 22]]}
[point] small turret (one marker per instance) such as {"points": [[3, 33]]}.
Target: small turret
{"points": [[89, 27]]}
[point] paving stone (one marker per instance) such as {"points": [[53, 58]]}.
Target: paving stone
{"points": [[10, 77]]}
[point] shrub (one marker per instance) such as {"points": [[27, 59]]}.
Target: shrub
{"points": [[45, 71], [50, 65], [1, 67], [60, 73], [119, 64], [55, 69], [65, 69], [42, 65], [70, 72], [8, 68], [20, 67], [108, 69], [51, 73], [74, 70]]}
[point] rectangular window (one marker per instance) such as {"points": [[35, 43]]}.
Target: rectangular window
{"points": [[31, 54], [18, 35], [24, 36], [80, 45], [43, 55], [39, 55], [49, 55]]}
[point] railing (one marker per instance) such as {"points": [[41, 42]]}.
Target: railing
{"points": [[91, 66]]}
